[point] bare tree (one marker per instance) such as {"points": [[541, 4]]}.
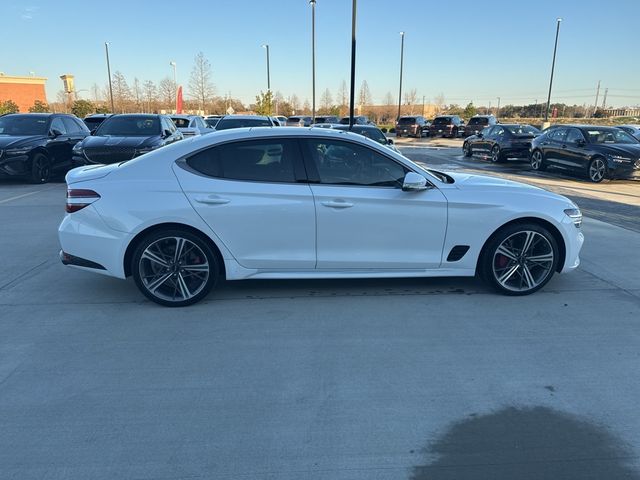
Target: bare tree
{"points": [[95, 93], [150, 94], [389, 107], [364, 97], [200, 83], [137, 94], [306, 107], [167, 92], [295, 102], [326, 100], [410, 98], [439, 102], [343, 93], [121, 91]]}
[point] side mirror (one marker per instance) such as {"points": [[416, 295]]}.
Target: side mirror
{"points": [[414, 182], [581, 142], [389, 141], [54, 133], [479, 135], [166, 133]]}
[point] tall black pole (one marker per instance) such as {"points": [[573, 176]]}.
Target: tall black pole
{"points": [[553, 66], [106, 48], [401, 62], [352, 96], [313, 60], [268, 74]]}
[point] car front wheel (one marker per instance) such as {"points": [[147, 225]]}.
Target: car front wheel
{"points": [[519, 259], [174, 268], [597, 170], [40, 169], [466, 149], [537, 161], [496, 154]]}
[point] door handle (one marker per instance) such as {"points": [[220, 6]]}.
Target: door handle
{"points": [[564, 146], [212, 200], [337, 204]]}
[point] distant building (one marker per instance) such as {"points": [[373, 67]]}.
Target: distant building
{"points": [[622, 112], [24, 91]]}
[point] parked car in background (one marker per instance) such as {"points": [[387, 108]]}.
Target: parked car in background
{"points": [[38, 145], [190, 125], [446, 126], [369, 131], [325, 119], [413, 126], [477, 123], [633, 130], [501, 142], [282, 120], [212, 120], [239, 121], [302, 204], [599, 152], [93, 121], [357, 120], [126, 136], [298, 121]]}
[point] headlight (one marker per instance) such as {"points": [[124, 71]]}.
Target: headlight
{"points": [[18, 151], [575, 215], [77, 149], [620, 159]]}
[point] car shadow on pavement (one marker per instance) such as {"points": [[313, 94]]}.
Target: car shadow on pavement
{"points": [[526, 444]]}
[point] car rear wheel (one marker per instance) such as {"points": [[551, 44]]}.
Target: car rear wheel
{"points": [[537, 161], [519, 259], [174, 268], [40, 169], [597, 170], [496, 154], [466, 149]]}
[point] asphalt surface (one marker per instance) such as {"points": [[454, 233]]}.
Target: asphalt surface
{"points": [[362, 379]]}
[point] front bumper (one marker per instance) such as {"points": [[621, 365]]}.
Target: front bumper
{"points": [[573, 239], [623, 170], [12, 166]]}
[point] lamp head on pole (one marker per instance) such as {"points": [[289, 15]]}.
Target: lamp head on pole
{"points": [[173, 64], [402, 34], [264, 45], [312, 3], [558, 19]]}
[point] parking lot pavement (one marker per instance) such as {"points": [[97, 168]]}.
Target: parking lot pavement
{"points": [[359, 379]]}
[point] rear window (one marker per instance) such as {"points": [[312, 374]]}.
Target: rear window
{"points": [[227, 123], [442, 121], [130, 126], [294, 119], [479, 121], [181, 122], [407, 121]]}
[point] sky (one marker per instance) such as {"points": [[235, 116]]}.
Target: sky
{"points": [[465, 50]]}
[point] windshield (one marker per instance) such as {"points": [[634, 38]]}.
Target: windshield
{"points": [[22, 125], [126, 126], [407, 121], [479, 121], [522, 129], [442, 121], [609, 135], [228, 123]]}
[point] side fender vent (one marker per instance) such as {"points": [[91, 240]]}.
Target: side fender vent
{"points": [[457, 253]]}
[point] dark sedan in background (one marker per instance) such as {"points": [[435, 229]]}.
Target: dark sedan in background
{"points": [[599, 152], [501, 142], [477, 123], [38, 145], [123, 137], [239, 121], [94, 120]]}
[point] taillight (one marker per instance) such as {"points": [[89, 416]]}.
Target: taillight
{"points": [[79, 198]]}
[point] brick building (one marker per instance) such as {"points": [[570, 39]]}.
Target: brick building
{"points": [[24, 91]]}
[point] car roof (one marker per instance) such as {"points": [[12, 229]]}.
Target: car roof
{"points": [[180, 115], [246, 117]]}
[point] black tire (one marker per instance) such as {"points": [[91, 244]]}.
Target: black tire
{"points": [[454, 133], [496, 155], [40, 168], [172, 277], [528, 276], [398, 135], [466, 149], [597, 170], [537, 161]]}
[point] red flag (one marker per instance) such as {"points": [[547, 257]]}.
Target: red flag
{"points": [[179, 100]]}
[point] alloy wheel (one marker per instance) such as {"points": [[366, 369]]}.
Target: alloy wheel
{"points": [[173, 269], [495, 154], [536, 160], [597, 170], [523, 261]]}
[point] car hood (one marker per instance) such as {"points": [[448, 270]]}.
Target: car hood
{"points": [[482, 182], [112, 141], [90, 172], [631, 150], [22, 141]]}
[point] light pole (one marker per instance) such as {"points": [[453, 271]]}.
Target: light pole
{"points": [[268, 74], [553, 66], [498, 110], [313, 60], [401, 62], [175, 82], [106, 49], [352, 94]]}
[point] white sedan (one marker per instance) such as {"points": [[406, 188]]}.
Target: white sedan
{"points": [[307, 203]]}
